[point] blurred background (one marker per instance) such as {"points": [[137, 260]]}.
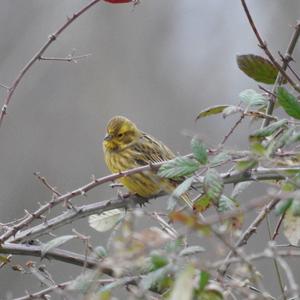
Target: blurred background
{"points": [[158, 63]]}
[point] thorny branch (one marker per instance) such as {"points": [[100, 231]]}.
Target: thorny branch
{"points": [[17, 233], [71, 215], [38, 56], [265, 48], [57, 254], [250, 231]]}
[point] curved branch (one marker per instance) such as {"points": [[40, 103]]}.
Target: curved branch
{"points": [[130, 201], [38, 55], [75, 213], [66, 197]]}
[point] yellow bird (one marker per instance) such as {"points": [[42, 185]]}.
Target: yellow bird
{"points": [[126, 147]]}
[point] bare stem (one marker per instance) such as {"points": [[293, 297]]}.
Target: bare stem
{"points": [[38, 55], [250, 231], [130, 201], [280, 77], [263, 45]]}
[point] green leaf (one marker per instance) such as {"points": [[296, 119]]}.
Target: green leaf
{"points": [[213, 185], [270, 129], [180, 189], [183, 187], [100, 251], [251, 98], [288, 102], [220, 158], [230, 110], [239, 188], [178, 167], [202, 203], [213, 110], [295, 207], [282, 206], [203, 280], [158, 261], [174, 246], [257, 68], [279, 141], [55, 243], [191, 250], [226, 203], [4, 259], [199, 151], [288, 186], [258, 148], [246, 164], [211, 295], [106, 220], [152, 278], [183, 287]]}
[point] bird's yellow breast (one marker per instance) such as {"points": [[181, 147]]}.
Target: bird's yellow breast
{"points": [[145, 184]]}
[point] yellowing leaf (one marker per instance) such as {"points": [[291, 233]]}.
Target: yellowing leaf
{"points": [[257, 68], [202, 203], [183, 288], [213, 110], [107, 220]]}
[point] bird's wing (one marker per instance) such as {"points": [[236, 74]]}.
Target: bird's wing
{"points": [[148, 150]]}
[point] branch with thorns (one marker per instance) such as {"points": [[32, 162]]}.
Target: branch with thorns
{"points": [[38, 56]]}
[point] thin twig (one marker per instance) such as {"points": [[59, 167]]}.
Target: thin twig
{"points": [[285, 63], [275, 262], [4, 86], [250, 231], [46, 183], [57, 288], [253, 257], [69, 58], [237, 123], [41, 294], [288, 65], [263, 45], [131, 201], [243, 258], [66, 197], [38, 55], [289, 274], [276, 230]]}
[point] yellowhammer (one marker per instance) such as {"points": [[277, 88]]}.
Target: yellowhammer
{"points": [[126, 147]]}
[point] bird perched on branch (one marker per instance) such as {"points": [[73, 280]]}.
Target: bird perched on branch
{"points": [[126, 147]]}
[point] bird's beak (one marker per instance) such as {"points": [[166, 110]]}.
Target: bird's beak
{"points": [[107, 137]]}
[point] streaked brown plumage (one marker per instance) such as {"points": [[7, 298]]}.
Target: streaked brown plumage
{"points": [[126, 147]]}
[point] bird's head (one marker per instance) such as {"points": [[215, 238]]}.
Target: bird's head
{"points": [[120, 132]]}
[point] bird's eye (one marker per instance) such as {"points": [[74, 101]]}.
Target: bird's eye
{"points": [[120, 135]]}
